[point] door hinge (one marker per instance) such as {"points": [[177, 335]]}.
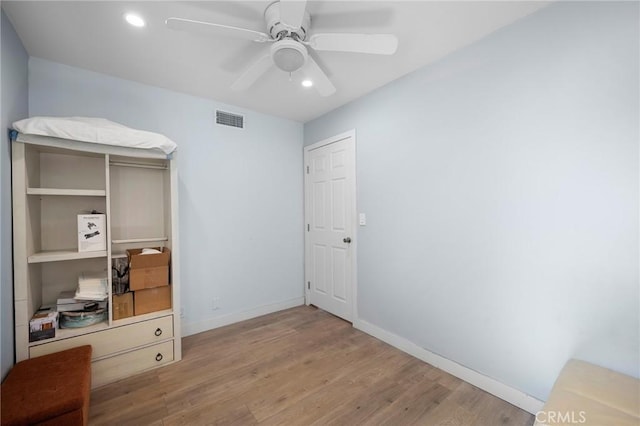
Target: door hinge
{"points": [[308, 228], [307, 169], [308, 285]]}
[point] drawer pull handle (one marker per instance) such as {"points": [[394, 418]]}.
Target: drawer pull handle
{"points": [[158, 331], [159, 357]]}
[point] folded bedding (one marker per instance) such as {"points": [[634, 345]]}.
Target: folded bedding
{"points": [[94, 130]]}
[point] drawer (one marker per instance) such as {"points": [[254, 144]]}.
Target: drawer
{"points": [[118, 367], [113, 340]]}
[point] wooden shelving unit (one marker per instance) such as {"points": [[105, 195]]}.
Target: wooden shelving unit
{"points": [[137, 190]]}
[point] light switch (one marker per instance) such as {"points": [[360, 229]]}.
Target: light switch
{"points": [[362, 219]]}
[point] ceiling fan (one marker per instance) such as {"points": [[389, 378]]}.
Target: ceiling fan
{"points": [[288, 24]]}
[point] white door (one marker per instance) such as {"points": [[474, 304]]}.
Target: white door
{"points": [[330, 190]]}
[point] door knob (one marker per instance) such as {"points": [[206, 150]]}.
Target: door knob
{"points": [[346, 240]]}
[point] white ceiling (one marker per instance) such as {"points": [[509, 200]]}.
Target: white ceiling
{"points": [[93, 35]]}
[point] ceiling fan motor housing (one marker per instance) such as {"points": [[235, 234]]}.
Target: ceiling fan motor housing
{"points": [[278, 30]]}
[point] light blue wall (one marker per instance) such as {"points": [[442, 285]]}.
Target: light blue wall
{"points": [[501, 191], [14, 107], [240, 190]]}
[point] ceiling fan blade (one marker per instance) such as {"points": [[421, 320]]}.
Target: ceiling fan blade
{"points": [[320, 80], [292, 12], [253, 73], [378, 44], [208, 28]]}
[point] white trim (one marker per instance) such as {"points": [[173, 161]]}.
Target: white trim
{"points": [[354, 219], [198, 327], [355, 228], [494, 387], [332, 139], [305, 230]]}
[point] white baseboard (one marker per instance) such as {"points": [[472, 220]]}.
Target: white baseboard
{"points": [[494, 387], [209, 324]]}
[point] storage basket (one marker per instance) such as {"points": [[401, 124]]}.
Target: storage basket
{"points": [[82, 319]]}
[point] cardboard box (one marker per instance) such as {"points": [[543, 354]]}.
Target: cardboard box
{"points": [[122, 305], [43, 324], [92, 232], [152, 300], [148, 270]]}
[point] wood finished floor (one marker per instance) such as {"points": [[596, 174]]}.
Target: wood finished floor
{"points": [[301, 366]]}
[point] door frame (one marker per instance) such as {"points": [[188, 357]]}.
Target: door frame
{"points": [[354, 220]]}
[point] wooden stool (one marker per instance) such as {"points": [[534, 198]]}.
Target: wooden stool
{"points": [[52, 389]]}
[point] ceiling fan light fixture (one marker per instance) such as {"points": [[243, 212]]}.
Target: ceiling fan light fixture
{"points": [[287, 24], [134, 20], [289, 55]]}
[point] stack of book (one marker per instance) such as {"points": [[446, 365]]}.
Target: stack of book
{"points": [[87, 305], [67, 303]]}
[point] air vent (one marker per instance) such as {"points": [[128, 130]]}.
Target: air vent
{"points": [[228, 119]]}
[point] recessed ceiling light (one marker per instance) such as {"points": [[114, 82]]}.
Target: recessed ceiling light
{"points": [[307, 83], [134, 20]]}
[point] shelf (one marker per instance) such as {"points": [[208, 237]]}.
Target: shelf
{"points": [[59, 255], [65, 333], [140, 240], [143, 317], [73, 192]]}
